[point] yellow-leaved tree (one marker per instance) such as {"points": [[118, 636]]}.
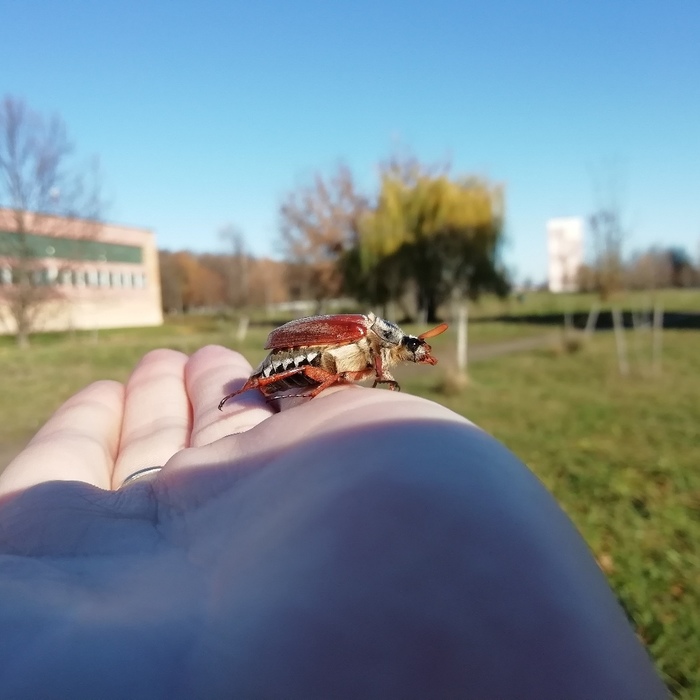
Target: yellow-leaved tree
{"points": [[441, 235]]}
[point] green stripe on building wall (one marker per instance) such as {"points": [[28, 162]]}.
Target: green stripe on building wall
{"points": [[16, 245]]}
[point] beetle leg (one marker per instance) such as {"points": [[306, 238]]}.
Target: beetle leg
{"points": [[393, 384], [384, 377], [336, 379], [329, 381], [251, 383], [318, 375], [259, 382]]}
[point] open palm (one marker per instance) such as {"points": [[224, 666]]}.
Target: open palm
{"points": [[362, 544]]}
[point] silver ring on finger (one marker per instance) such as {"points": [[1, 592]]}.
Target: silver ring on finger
{"points": [[145, 473]]}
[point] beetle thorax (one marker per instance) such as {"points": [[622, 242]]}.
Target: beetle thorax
{"points": [[383, 333]]}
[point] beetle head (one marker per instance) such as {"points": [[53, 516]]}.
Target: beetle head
{"points": [[414, 349], [400, 347]]}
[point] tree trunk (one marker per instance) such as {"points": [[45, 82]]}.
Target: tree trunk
{"points": [[431, 309], [22, 338]]}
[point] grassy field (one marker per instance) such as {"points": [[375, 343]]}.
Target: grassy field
{"points": [[620, 454]]}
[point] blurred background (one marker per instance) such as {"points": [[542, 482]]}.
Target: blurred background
{"points": [[187, 173]]}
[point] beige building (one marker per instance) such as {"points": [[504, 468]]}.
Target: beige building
{"points": [[87, 275]]}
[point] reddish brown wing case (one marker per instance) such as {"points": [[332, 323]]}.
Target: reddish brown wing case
{"points": [[318, 330]]}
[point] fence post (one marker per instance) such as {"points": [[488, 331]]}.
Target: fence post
{"points": [[657, 337], [462, 338], [592, 320], [620, 342]]}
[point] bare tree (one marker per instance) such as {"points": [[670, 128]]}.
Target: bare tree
{"points": [[608, 231], [237, 272], [317, 223], [44, 196], [608, 236], [172, 282]]}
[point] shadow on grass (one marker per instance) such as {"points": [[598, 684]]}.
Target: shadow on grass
{"points": [[676, 320]]}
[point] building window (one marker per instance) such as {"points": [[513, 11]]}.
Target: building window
{"points": [[51, 274], [43, 276], [6, 275], [104, 278]]}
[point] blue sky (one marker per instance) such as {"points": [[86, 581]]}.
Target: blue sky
{"points": [[206, 113]]}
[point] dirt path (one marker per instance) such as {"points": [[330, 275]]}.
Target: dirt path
{"points": [[507, 347]]}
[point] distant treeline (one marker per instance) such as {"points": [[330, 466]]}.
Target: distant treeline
{"points": [[423, 239], [655, 268]]}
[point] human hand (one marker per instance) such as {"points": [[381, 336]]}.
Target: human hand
{"points": [[362, 544]]}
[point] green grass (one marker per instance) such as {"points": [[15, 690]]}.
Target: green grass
{"points": [[619, 453]]}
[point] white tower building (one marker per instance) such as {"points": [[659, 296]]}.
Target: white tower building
{"points": [[565, 253]]}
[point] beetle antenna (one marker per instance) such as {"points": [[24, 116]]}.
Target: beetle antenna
{"points": [[434, 331]]}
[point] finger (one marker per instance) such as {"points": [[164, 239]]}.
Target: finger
{"points": [[78, 443], [211, 373], [157, 416]]}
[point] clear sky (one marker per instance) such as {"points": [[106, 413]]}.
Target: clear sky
{"points": [[206, 113]]}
